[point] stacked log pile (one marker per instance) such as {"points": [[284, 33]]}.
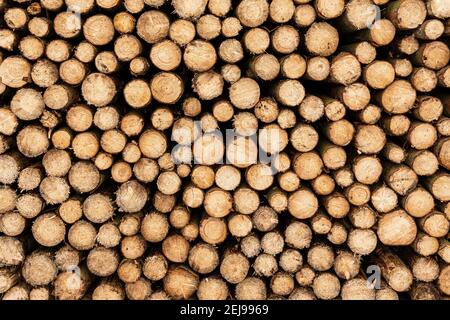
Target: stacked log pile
{"points": [[224, 149]]}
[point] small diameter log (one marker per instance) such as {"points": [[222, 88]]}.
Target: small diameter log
{"points": [[418, 202], [108, 235], [346, 265], [394, 270], [182, 32], [362, 241], [424, 79], [208, 27], [443, 280], [436, 9], [250, 246], [282, 284], [11, 251], [320, 257], [139, 66], [433, 55], [277, 199], [321, 39], [9, 126], [109, 289], [386, 293], [369, 139], [58, 50], [398, 97], [212, 288], [379, 74], [357, 289], [234, 267], [272, 243], [208, 85], [154, 227], [424, 269], [425, 245], [435, 224], [370, 114], [285, 39], [39, 269], [98, 89], [252, 13], [397, 125], [326, 286], [59, 97], [92, 26], [9, 39], [312, 108], [430, 29], [163, 203], [166, 87], [180, 282], [345, 68], [203, 258], [12, 223], [137, 93], [85, 52], [43, 224], [133, 247], [355, 96], [358, 15], [213, 230], [441, 150], [18, 292], [304, 15], [265, 66], [338, 234], [317, 68], [389, 232], [336, 205], [8, 278], [10, 166], [305, 276], [424, 291], [298, 235], [384, 199], [380, 33], [291, 260], [302, 204], [438, 184], [401, 178], [358, 194], [106, 62], [281, 11], [402, 67], [340, 132], [54, 190], [399, 12], [308, 165], [302, 293], [444, 77], [56, 163], [251, 288], [72, 71], [428, 108], [219, 8], [323, 185], [165, 55]]}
